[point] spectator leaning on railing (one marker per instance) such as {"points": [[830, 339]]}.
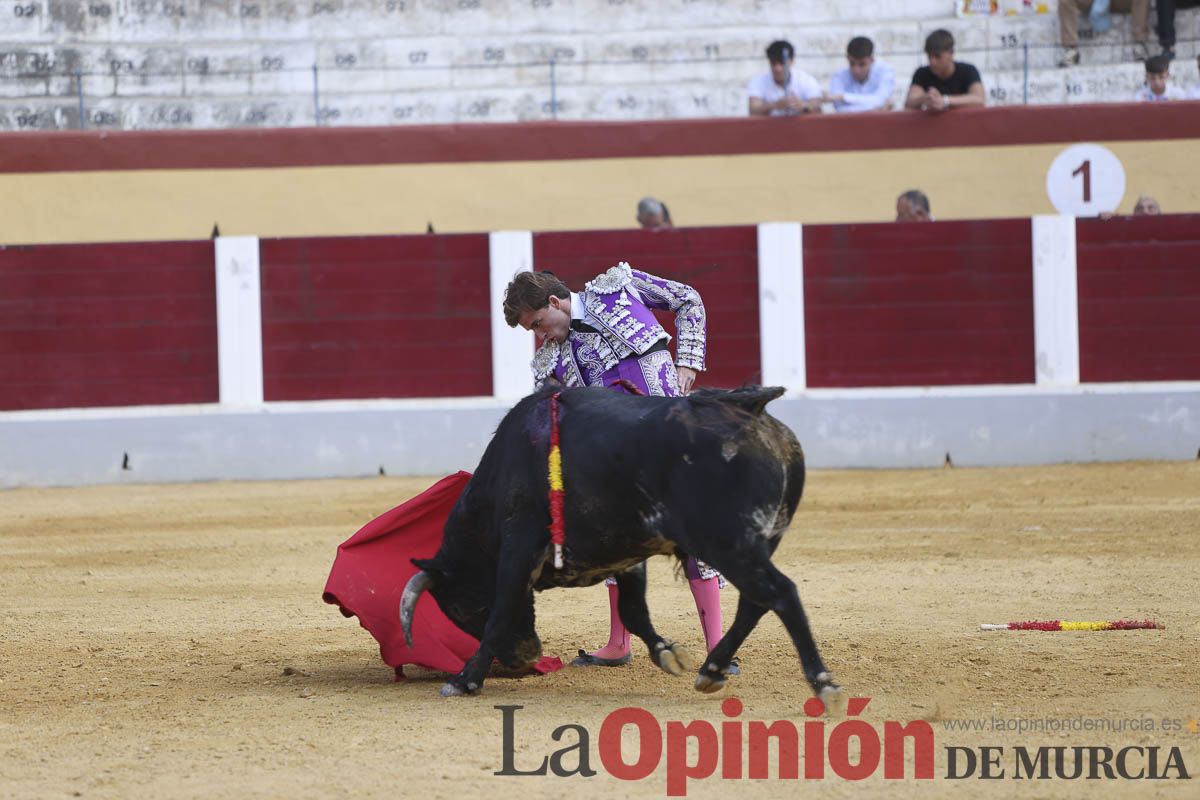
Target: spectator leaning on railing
{"points": [[865, 85], [945, 83], [783, 91]]}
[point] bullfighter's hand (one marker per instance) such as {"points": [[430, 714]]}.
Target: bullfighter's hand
{"points": [[687, 379]]}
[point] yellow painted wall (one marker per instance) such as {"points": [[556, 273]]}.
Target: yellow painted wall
{"points": [[961, 182]]}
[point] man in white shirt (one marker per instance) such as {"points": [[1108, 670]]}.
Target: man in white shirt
{"points": [[783, 91], [1158, 82], [866, 85]]}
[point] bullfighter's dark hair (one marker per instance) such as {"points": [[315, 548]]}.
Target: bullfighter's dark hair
{"points": [[531, 291]]}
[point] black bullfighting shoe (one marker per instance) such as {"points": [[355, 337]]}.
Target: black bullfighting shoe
{"points": [[586, 659]]}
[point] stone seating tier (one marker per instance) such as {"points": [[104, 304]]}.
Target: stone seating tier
{"points": [[201, 64]]}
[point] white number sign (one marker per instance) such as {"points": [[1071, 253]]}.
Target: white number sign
{"points": [[1085, 180]]}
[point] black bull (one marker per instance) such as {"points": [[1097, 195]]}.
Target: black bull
{"points": [[709, 475]]}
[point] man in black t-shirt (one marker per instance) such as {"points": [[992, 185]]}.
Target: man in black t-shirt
{"points": [[945, 83]]}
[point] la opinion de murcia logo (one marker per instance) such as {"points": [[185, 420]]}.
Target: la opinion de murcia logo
{"points": [[736, 749]]}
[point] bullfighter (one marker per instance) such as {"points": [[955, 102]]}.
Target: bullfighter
{"points": [[607, 336]]}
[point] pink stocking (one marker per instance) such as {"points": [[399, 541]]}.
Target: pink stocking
{"points": [[618, 636], [707, 594]]}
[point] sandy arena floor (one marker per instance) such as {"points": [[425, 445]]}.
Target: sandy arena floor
{"points": [[170, 641]]}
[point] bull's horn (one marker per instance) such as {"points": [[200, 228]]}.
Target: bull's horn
{"points": [[408, 601]]}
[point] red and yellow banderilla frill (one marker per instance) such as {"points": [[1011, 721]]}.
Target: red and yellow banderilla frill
{"points": [[1062, 625], [557, 530]]}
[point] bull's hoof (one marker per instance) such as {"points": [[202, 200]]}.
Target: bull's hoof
{"points": [[832, 696], [712, 677], [671, 658], [452, 689]]}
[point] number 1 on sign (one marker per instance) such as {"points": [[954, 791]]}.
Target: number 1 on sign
{"points": [[1086, 170], [1100, 172]]}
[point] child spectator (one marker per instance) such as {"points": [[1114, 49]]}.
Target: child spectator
{"points": [[1158, 79]]}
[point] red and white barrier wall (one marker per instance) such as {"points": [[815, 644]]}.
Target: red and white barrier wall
{"points": [[994, 341]]}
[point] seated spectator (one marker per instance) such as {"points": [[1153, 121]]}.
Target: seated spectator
{"points": [[1165, 9], [945, 83], [913, 206], [782, 91], [1158, 80], [1146, 206], [1194, 92], [652, 214], [1068, 28], [867, 84]]}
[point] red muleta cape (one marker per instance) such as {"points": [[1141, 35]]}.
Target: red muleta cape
{"points": [[373, 566]]}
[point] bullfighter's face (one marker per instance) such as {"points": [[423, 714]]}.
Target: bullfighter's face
{"points": [[551, 323]]}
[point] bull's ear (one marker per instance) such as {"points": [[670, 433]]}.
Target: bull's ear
{"points": [[754, 398]]}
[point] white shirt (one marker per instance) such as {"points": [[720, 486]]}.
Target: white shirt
{"points": [[1144, 95], [1194, 93], [800, 83], [873, 94]]}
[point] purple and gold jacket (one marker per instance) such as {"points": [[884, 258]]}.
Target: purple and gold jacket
{"points": [[618, 303]]}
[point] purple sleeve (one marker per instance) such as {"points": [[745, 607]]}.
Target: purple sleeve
{"points": [[685, 303]]}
